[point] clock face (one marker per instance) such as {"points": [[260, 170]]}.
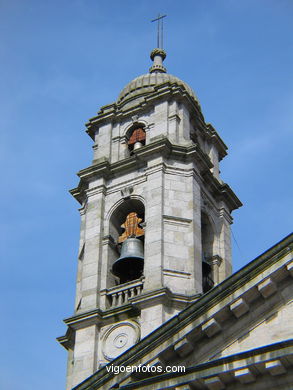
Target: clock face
{"points": [[120, 337]]}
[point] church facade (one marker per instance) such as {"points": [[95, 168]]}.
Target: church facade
{"points": [[154, 284]]}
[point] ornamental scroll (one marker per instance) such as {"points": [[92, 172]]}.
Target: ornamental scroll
{"points": [[131, 226]]}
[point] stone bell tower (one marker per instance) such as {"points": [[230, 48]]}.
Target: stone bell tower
{"points": [[155, 218]]}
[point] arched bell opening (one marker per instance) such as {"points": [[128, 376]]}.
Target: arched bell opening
{"points": [[136, 137], [207, 242], [127, 230]]}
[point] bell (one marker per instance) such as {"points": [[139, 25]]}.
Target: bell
{"points": [[137, 145], [129, 266]]}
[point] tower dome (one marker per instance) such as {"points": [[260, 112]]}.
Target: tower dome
{"points": [[147, 83]]}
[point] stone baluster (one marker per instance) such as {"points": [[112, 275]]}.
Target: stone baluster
{"points": [[120, 298], [114, 299], [131, 292], [126, 295]]}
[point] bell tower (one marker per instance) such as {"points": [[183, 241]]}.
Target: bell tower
{"points": [[155, 218]]}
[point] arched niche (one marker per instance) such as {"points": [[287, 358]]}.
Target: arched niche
{"points": [[135, 136], [207, 245], [120, 213], [117, 218]]}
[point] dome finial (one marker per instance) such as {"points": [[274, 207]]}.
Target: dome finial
{"points": [[158, 55]]}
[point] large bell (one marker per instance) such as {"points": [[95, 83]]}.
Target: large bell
{"points": [[129, 266]]}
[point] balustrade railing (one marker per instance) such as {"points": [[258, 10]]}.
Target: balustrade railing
{"points": [[120, 295]]}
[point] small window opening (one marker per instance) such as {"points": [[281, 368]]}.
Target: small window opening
{"points": [[207, 240], [137, 139]]}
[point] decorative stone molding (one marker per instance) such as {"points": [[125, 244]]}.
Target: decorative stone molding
{"points": [[177, 221], [239, 307], [126, 192], [289, 267], [214, 383], [244, 375], [109, 240], [176, 274], [158, 52], [128, 183], [183, 347], [116, 139], [82, 210], [267, 287], [104, 169], [211, 327], [175, 118], [275, 367], [118, 338], [121, 294], [200, 376], [134, 119]]}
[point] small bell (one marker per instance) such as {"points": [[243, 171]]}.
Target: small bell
{"points": [[129, 266], [137, 145]]}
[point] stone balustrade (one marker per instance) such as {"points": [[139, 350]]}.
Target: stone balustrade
{"points": [[120, 295]]}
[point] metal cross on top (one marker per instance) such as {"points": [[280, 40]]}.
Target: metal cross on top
{"points": [[159, 19]]}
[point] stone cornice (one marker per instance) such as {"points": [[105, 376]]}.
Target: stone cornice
{"points": [[222, 191], [227, 195], [99, 316], [117, 112], [163, 147], [217, 140], [67, 340], [159, 146], [163, 296], [132, 307], [127, 183], [244, 363]]}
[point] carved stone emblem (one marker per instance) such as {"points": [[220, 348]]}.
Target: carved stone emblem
{"points": [[120, 337], [131, 226]]}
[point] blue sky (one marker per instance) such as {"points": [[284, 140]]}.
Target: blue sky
{"points": [[60, 61]]}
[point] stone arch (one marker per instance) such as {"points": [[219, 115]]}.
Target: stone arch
{"points": [[135, 136], [115, 217], [138, 123], [119, 212]]}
